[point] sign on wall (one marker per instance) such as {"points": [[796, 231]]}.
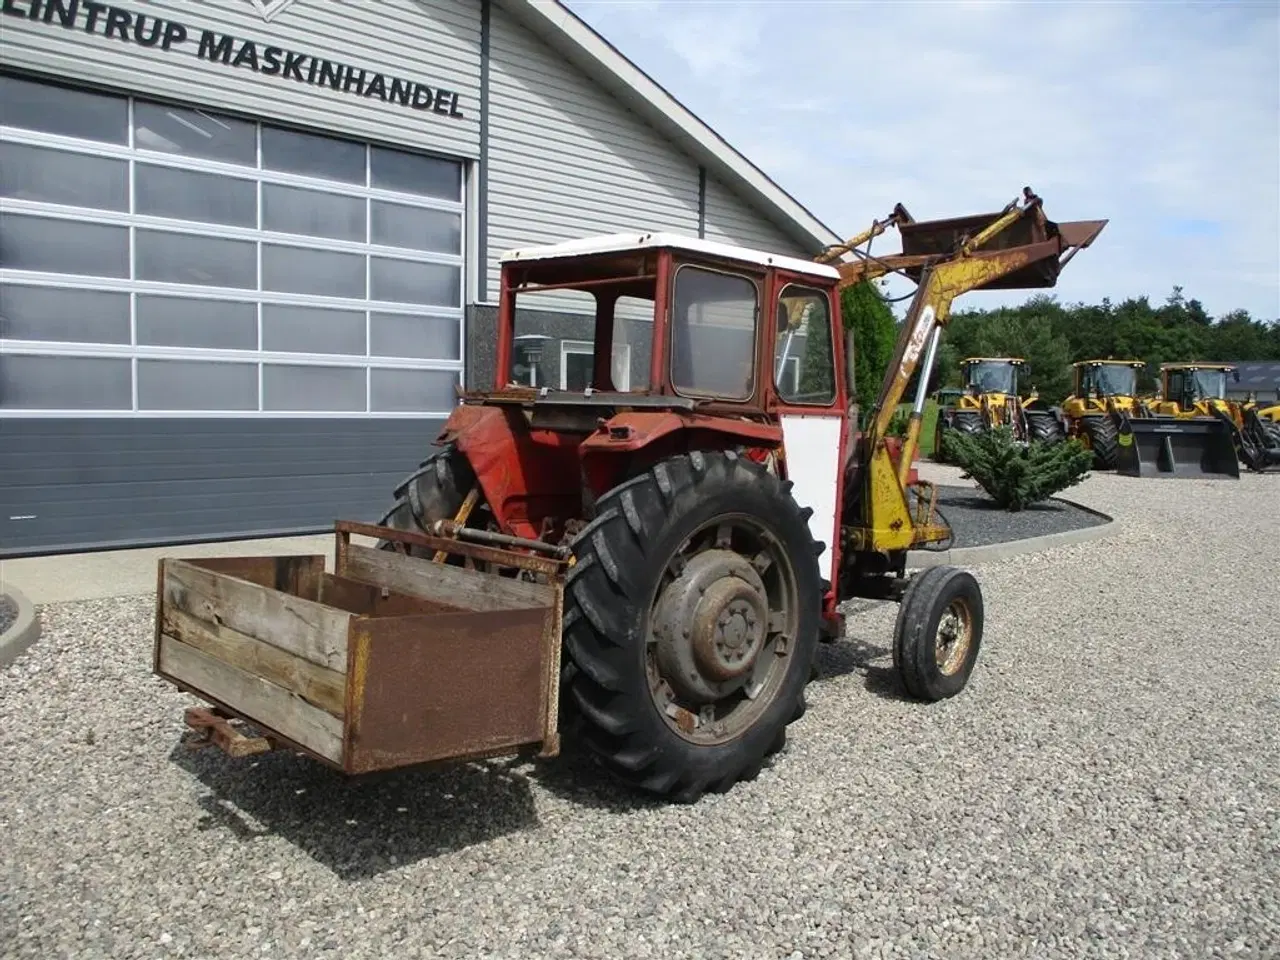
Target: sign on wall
{"points": [[120, 24]]}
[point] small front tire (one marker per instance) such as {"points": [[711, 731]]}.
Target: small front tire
{"points": [[938, 632]]}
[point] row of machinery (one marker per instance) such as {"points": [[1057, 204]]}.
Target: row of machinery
{"points": [[651, 568], [1188, 428]]}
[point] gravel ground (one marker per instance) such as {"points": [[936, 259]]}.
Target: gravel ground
{"points": [[1107, 786], [8, 612], [975, 519]]}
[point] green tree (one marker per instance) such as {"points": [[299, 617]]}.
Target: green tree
{"points": [[1014, 475], [875, 333]]}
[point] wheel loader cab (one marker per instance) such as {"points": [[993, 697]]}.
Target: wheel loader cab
{"points": [[992, 376]]}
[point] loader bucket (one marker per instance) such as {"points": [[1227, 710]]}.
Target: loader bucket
{"points": [[1043, 241], [1184, 449]]}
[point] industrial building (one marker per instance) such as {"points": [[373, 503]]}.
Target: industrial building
{"points": [[249, 248]]}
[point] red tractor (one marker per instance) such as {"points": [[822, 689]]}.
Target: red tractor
{"points": [[717, 498]]}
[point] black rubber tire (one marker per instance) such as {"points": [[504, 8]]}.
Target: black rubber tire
{"points": [[433, 492], [1044, 427], [619, 561], [939, 429], [1103, 441], [927, 598], [967, 421]]}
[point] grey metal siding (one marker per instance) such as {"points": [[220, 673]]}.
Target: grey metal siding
{"points": [[568, 160], [433, 42], [94, 483], [731, 219]]}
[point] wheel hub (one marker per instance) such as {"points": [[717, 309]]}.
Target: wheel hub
{"points": [[953, 637], [728, 629], [711, 624]]}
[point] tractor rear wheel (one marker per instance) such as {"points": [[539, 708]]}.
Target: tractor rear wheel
{"points": [[938, 632], [1103, 440], [435, 491], [691, 620]]}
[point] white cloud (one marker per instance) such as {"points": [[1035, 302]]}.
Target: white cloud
{"points": [[1163, 117]]}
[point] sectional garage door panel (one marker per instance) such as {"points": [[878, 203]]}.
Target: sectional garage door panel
{"points": [[80, 484], [211, 326], [158, 259]]}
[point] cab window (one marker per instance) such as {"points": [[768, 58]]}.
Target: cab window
{"points": [[803, 362], [714, 316]]}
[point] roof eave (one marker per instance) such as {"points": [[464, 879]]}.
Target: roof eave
{"points": [[571, 36]]}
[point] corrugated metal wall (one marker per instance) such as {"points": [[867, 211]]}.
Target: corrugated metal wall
{"points": [[435, 42], [732, 220], [566, 160]]}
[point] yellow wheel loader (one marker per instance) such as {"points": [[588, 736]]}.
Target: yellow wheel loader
{"points": [[1196, 393], [649, 568], [1103, 391], [989, 399]]}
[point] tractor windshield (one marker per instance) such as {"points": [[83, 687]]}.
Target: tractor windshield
{"points": [[993, 376], [1113, 381]]}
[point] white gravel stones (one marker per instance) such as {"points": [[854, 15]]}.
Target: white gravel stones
{"points": [[1108, 786], [8, 612]]}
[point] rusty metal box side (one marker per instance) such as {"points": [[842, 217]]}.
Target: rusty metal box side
{"points": [[447, 686]]}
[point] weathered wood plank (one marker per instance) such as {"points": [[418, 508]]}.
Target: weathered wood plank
{"points": [[303, 627], [299, 575], [316, 684], [467, 589], [273, 708], [367, 600]]}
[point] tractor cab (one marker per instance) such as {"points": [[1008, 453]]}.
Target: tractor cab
{"points": [[658, 321], [1107, 378], [613, 352], [994, 377]]}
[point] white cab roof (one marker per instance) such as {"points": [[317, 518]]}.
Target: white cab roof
{"points": [[620, 242]]}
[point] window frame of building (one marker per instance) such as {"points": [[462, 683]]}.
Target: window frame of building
{"points": [[439, 353]]}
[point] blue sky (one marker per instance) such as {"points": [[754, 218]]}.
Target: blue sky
{"points": [[1162, 116]]}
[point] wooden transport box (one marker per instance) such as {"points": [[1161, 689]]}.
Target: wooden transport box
{"points": [[389, 661]]}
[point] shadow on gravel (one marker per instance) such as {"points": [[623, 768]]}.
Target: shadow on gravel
{"points": [[359, 827], [873, 661]]}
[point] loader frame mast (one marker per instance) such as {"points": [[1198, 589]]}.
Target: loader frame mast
{"points": [[885, 524]]}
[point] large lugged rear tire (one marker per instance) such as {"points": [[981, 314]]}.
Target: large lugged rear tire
{"points": [[1103, 440], [433, 492], [691, 619]]}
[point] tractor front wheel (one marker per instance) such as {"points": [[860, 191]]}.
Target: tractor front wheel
{"points": [[691, 619], [938, 632]]}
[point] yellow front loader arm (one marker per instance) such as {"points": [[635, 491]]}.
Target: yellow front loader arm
{"points": [[1017, 248]]}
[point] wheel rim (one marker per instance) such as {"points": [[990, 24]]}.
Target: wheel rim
{"points": [[954, 637], [721, 627]]}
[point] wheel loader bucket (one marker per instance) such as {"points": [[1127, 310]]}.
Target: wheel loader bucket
{"points": [[1182, 449]]}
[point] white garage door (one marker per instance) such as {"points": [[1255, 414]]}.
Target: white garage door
{"points": [[158, 260]]}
